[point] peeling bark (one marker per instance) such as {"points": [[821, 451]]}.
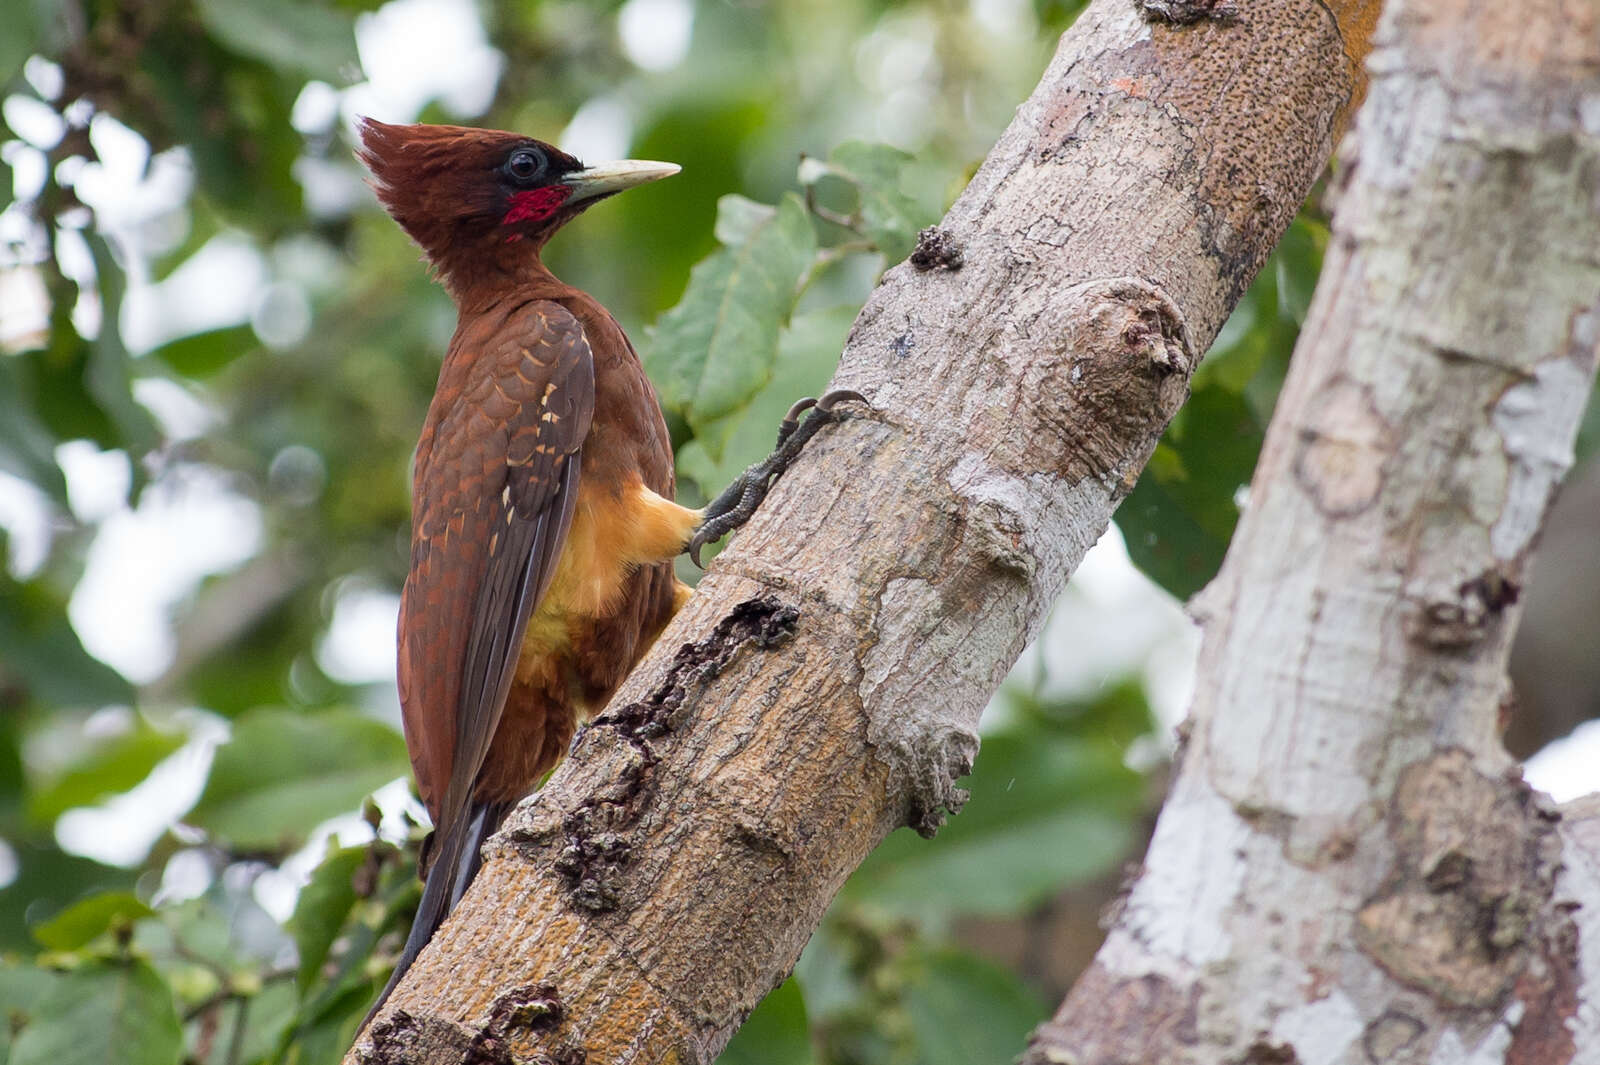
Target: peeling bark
{"points": [[1349, 868], [1021, 369]]}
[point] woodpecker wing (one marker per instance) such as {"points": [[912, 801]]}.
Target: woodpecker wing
{"points": [[495, 484]]}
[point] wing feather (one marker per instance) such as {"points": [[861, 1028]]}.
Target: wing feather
{"points": [[496, 483]]}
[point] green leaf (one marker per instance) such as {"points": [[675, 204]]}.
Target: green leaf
{"points": [[27, 447], [964, 1010], [322, 909], [106, 768], [33, 27], [13, 778], [1163, 539], [47, 880], [283, 773], [775, 1033], [1047, 811], [203, 354], [716, 349], [22, 988], [84, 921], [808, 353], [300, 37], [890, 218], [55, 383], [1296, 262], [325, 1031], [113, 1013], [1178, 520], [738, 218]]}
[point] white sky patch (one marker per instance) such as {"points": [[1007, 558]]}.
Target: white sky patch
{"points": [[416, 51], [8, 865], [217, 286], [29, 168], [600, 131], [898, 52], [136, 197], [188, 526], [24, 308], [1005, 18], [316, 109], [97, 481], [122, 830], [655, 34], [74, 257], [329, 188], [45, 77], [186, 876], [1565, 769], [25, 516], [33, 120], [123, 153], [183, 416], [360, 646]]}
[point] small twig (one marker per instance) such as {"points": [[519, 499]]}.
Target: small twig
{"points": [[236, 1044], [852, 222], [207, 1037], [228, 991]]}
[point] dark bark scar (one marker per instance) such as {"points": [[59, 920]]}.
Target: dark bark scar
{"points": [[1187, 12], [936, 249], [596, 849]]}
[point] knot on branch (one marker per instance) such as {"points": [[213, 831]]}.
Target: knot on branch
{"points": [[1460, 621], [1475, 867], [1095, 402], [931, 769]]}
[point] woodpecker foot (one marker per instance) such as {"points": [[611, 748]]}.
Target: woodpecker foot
{"points": [[740, 499]]}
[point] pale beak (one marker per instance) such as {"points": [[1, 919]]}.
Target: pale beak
{"points": [[607, 178]]}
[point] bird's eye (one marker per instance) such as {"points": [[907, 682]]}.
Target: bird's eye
{"points": [[526, 165]]}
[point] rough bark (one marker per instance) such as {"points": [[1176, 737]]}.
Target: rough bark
{"points": [[1349, 868], [824, 684]]}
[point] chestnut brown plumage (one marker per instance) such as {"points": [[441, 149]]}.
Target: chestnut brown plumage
{"points": [[543, 525]]}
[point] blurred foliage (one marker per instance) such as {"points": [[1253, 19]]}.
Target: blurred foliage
{"points": [[816, 138]]}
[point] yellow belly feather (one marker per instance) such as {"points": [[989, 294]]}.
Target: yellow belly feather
{"points": [[612, 534]]}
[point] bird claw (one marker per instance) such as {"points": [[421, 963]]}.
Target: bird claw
{"points": [[740, 499]]}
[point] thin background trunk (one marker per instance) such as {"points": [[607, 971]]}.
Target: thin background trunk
{"points": [[824, 684], [1349, 868]]}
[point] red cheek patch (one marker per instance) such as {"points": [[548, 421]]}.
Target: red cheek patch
{"points": [[535, 205]]}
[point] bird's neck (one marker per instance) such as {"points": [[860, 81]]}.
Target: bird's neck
{"points": [[482, 283]]}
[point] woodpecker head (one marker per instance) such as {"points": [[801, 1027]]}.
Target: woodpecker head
{"points": [[479, 199]]}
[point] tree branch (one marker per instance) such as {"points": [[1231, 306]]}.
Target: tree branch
{"points": [[824, 684], [1349, 867]]}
